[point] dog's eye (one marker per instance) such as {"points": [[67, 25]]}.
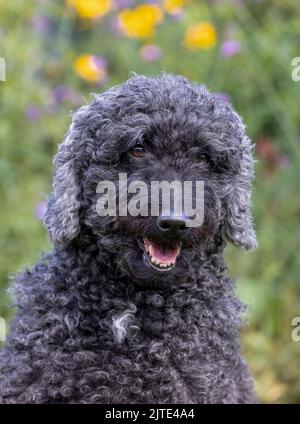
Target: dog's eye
{"points": [[138, 151], [202, 158]]}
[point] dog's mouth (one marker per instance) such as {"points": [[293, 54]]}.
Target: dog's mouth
{"points": [[161, 257]]}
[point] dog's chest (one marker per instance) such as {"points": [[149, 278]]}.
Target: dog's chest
{"points": [[160, 362]]}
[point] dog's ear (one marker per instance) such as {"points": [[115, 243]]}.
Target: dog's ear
{"points": [[238, 223], [62, 215]]}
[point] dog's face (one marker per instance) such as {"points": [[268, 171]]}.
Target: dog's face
{"points": [[162, 244], [154, 130]]}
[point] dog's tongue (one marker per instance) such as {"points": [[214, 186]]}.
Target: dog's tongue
{"points": [[162, 254]]}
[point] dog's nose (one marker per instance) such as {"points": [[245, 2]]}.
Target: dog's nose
{"points": [[172, 224]]}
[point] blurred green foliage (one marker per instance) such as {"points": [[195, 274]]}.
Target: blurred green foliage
{"points": [[40, 42]]}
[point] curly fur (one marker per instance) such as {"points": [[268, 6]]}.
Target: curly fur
{"points": [[93, 323]]}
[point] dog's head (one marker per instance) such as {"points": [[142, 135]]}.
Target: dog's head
{"points": [[144, 131]]}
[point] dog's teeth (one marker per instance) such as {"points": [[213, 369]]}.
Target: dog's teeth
{"points": [[150, 249], [156, 262]]}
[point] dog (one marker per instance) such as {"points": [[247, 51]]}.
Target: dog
{"points": [[137, 309]]}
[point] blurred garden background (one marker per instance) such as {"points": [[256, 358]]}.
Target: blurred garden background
{"points": [[58, 52]]}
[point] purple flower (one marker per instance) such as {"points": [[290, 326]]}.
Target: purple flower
{"points": [[122, 4], [100, 62], [114, 26], [63, 93], [32, 113], [41, 23], [40, 210], [60, 93], [230, 48], [151, 53], [222, 96], [177, 16]]}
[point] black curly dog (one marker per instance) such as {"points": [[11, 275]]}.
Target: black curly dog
{"points": [[100, 321]]}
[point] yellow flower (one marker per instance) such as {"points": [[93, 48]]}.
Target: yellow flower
{"points": [[90, 68], [200, 36], [174, 6], [140, 22], [91, 9]]}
